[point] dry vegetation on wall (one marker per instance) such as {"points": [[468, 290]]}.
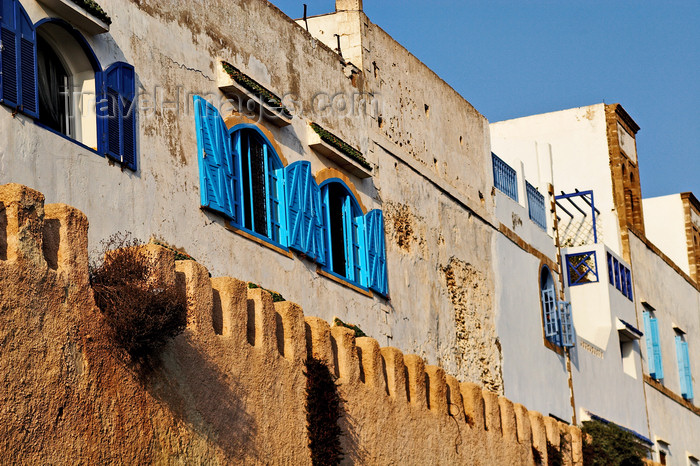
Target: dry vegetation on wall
{"points": [[606, 444], [141, 312]]}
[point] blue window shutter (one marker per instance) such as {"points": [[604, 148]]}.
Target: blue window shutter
{"points": [[681, 366], [112, 118], [217, 174], [326, 231], [357, 248], [300, 213], [628, 274], [376, 252], [658, 366], [8, 55], [119, 125], [616, 268], [551, 320], [128, 107], [348, 243], [610, 270], [29, 89], [650, 345], [688, 375], [319, 227], [568, 337]]}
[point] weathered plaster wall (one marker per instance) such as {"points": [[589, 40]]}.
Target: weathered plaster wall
{"points": [[431, 238], [232, 396], [175, 49]]}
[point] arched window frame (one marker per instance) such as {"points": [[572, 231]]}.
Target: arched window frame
{"points": [[274, 176], [354, 241], [97, 70]]}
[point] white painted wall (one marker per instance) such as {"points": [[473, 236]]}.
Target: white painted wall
{"points": [[601, 384], [676, 303], [580, 158], [533, 374], [664, 225]]}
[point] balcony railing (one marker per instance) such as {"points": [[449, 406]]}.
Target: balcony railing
{"points": [[505, 178], [535, 206]]}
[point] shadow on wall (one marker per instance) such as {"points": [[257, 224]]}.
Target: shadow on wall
{"points": [[200, 395]]}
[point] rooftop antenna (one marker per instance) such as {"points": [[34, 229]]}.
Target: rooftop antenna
{"points": [[306, 22]]}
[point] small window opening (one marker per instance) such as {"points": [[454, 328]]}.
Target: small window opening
{"points": [[336, 198], [253, 164]]}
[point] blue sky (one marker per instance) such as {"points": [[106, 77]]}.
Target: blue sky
{"points": [[516, 58]]}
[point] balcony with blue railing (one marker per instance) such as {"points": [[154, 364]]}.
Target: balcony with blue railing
{"points": [[505, 178], [535, 206]]}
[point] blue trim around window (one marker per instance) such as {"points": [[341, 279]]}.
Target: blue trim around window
{"points": [[281, 193], [362, 271], [92, 58]]}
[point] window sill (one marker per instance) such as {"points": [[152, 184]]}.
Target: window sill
{"points": [[674, 396], [343, 282], [331, 153], [232, 89], [77, 16], [67, 138], [260, 241]]}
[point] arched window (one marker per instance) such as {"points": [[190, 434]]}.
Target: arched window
{"points": [[261, 184], [67, 83], [550, 312], [345, 233]]}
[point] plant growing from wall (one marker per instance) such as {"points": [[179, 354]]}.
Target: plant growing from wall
{"points": [[256, 88], [322, 414], [180, 254], [141, 312], [92, 7], [276, 297], [609, 444], [358, 331], [342, 146]]}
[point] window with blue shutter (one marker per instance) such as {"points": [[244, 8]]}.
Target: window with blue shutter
{"points": [[261, 187], [119, 121], [376, 252], [217, 170], [684, 367], [651, 360], [18, 81], [346, 239], [304, 212], [654, 362]]}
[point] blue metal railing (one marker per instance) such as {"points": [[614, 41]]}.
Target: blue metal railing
{"points": [[505, 178], [535, 206]]}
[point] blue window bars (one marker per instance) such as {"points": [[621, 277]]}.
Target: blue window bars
{"points": [[582, 268], [535, 206], [505, 178]]}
